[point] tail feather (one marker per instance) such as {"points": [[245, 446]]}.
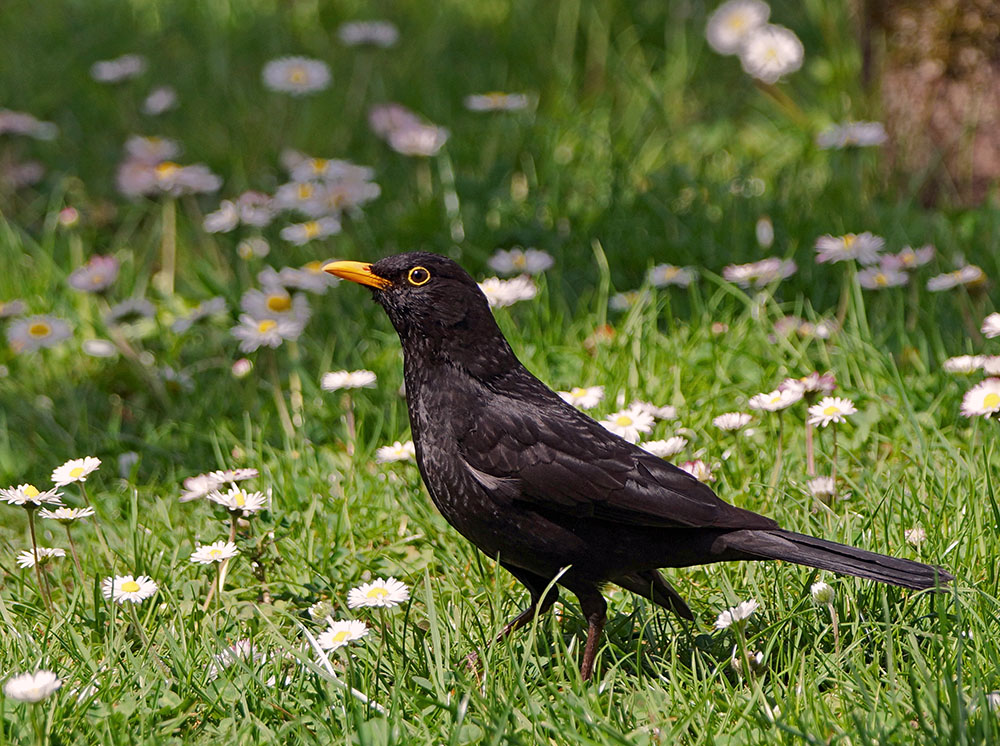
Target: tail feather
{"points": [[840, 558]]}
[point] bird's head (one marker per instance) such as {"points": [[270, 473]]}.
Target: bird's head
{"points": [[434, 305]]}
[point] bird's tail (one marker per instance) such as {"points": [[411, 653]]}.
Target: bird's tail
{"points": [[840, 558]]}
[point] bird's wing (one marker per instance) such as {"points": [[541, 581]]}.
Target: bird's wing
{"points": [[556, 458]]}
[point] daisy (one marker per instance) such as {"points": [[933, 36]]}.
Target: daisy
{"points": [[223, 220], [419, 139], [96, 275], [28, 496], [347, 379], [241, 368], [731, 421], [908, 258], [970, 275], [864, 247], [876, 278], [698, 469], [759, 274], [625, 301], [737, 614], [520, 261], [813, 383], [240, 651], [776, 400], [31, 687], [386, 593], [151, 150], [666, 412], [199, 486], [22, 123], [770, 52], [338, 634], [963, 364], [45, 555], [396, 452], [764, 231], [830, 409], [75, 470], [496, 101], [629, 424], [663, 275], [731, 22], [119, 69], [234, 475], [129, 311], [377, 33], [823, 489], [256, 209], [66, 515], [204, 310], [991, 326], [665, 448], [915, 536], [320, 610], [852, 134], [501, 293], [161, 99], [584, 397], [991, 365], [35, 332], [99, 348], [384, 118], [238, 500], [275, 303], [302, 233], [254, 333], [12, 308], [122, 588], [982, 399], [296, 75], [216, 552], [822, 593]]}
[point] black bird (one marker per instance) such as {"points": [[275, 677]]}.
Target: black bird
{"points": [[541, 487]]}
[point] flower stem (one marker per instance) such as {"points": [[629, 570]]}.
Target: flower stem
{"points": [[76, 557], [168, 247], [810, 455], [43, 585], [349, 420], [833, 469], [836, 629], [779, 454], [279, 397]]}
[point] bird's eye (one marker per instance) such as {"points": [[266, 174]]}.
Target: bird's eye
{"points": [[418, 276]]}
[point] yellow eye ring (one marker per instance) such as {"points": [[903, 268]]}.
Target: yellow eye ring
{"points": [[418, 276]]}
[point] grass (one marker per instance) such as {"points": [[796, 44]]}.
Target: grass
{"points": [[637, 153]]}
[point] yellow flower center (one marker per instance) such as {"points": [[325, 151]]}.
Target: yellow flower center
{"points": [[315, 267], [670, 272], [266, 325], [311, 228], [213, 553], [278, 303], [30, 490], [76, 472], [831, 410], [297, 75], [318, 165], [519, 260], [305, 191], [240, 499], [130, 586], [340, 636], [908, 259], [736, 22], [991, 400], [849, 240], [623, 420], [775, 399], [39, 329], [881, 280], [377, 593], [166, 169], [578, 392]]}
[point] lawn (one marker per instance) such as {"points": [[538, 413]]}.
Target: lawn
{"points": [[634, 145]]}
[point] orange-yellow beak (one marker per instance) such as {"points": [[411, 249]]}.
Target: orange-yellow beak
{"points": [[357, 272]]}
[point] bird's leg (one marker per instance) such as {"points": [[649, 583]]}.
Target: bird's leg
{"points": [[595, 610]]}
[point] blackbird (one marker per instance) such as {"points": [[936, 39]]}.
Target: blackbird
{"points": [[541, 487]]}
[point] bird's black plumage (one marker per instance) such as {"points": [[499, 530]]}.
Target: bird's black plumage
{"points": [[538, 485]]}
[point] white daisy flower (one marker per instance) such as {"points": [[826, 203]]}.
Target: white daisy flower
{"points": [[732, 421], [963, 364], [626, 300], [31, 687], [275, 303], [339, 634], [497, 101], [502, 293], [256, 209], [759, 274], [309, 277], [13, 307], [915, 536], [254, 333], [666, 412], [385, 118], [823, 489], [386, 593], [584, 397], [629, 424], [199, 486], [215, 552], [66, 515], [908, 257], [852, 134], [23, 123], [775, 400], [239, 500], [302, 233], [698, 469], [240, 651], [35, 332], [737, 614], [877, 278], [991, 326], [96, 276], [665, 448], [663, 275], [129, 311], [764, 231], [970, 275], [418, 139], [377, 33], [119, 69], [320, 610], [205, 309], [45, 555], [822, 593], [770, 52], [122, 588], [234, 475], [811, 384], [520, 261], [151, 150], [75, 470], [864, 247], [29, 496], [296, 75], [161, 99], [396, 452], [223, 220], [830, 409], [347, 379], [731, 22], [983, 399]]}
